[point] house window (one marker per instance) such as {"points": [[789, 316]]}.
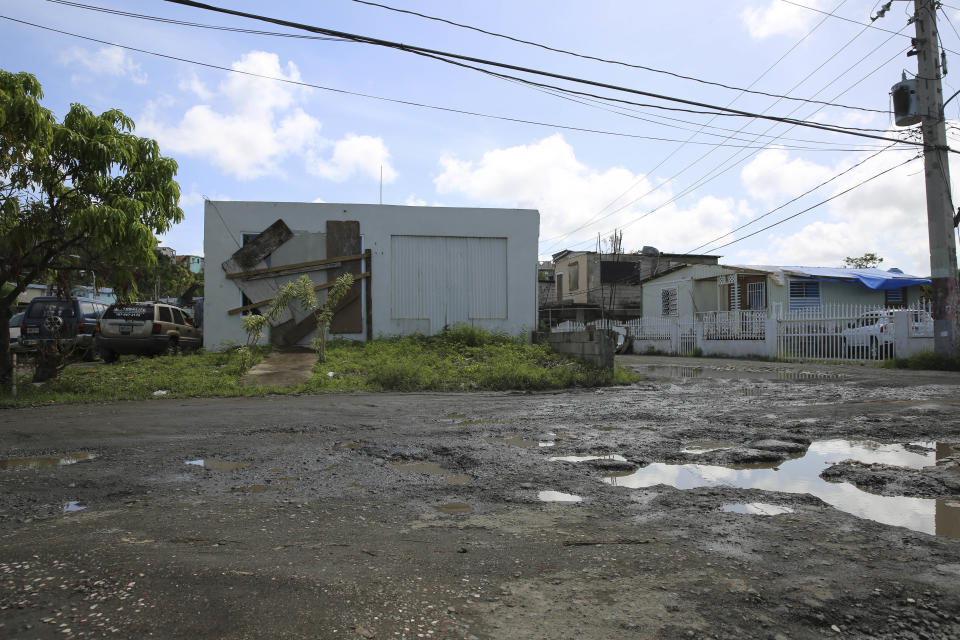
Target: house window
{"points": [[804, 295], [574, 275], [896, 298], [757, 295], [668, 301]]}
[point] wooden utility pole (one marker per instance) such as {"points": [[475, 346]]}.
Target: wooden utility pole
{"points": [[943, 252]]}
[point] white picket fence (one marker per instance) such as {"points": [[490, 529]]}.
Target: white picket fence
{"points": [[834, 332]]}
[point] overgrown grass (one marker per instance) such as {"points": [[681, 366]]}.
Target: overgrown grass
{"points": [[925, 360], [195, 375], [459, 358]]}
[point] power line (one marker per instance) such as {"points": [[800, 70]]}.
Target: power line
{"points": [[184, 23], [707, 178], [595, 218], [819, 204], [453, 58], [791, 201], [383, 98], [606, 60]]}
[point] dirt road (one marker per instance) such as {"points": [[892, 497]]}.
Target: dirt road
{"points": [[690, 505]]}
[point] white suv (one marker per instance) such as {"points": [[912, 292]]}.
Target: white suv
{"points": [[872, 333]]}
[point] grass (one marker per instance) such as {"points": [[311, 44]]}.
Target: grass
{"points": [[458, 359], [924, 360], [204, 374], [461, 358]]}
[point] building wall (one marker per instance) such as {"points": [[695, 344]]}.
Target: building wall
{"points": [[452, 264]]}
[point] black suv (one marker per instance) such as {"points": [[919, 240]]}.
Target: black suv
{"points": [[70, 322]]}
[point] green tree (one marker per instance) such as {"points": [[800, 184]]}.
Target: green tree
{"points": [[85, 190], [302, 291], [865, 261]]}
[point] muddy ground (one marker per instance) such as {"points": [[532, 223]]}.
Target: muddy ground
{"points": [[336, 526]]}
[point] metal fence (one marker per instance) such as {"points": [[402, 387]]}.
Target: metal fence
{"points": [[846, 332], [733, 325], [832, 332]]}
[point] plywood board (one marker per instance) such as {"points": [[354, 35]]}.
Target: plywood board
{"points": [[343, 239]]}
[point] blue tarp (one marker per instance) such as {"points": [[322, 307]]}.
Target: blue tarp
{"points": [[871, 278]]}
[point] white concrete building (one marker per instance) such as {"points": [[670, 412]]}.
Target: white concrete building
{"points": [[429, 266]]}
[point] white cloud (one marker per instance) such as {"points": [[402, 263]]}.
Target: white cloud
{"points": [[771, 174], [777, 18], [886, 215], [547, 176], [413, 201], [355, 154], [318, 201], [110, 61], [249, 127]]}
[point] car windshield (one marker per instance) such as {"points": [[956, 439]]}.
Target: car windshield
{"points": [[40, 310], [129, 312]]}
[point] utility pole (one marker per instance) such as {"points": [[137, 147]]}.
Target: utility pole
{"points": [[943, 252]]}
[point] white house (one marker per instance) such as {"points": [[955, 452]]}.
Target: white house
{"points": [[418, 268]]}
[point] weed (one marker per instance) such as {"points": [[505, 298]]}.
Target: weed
{"points": [[925, 360]]}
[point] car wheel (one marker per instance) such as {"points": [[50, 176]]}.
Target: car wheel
{"points": [[173, 347], [108, 356]]}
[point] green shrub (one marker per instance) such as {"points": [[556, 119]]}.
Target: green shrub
{"points": [[925, 360]]}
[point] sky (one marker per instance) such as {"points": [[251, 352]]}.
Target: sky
{"points": [[674, 180]]}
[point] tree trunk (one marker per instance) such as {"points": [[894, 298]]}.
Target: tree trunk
{"points": [[6, 363]]}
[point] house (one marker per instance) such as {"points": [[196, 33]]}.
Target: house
{"points": [[689, 290], [193, 263], [416, 269], [546, 283], [586, 281]]}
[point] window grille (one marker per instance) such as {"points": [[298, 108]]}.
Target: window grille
{"points": [[804, 295], [668, 301]]}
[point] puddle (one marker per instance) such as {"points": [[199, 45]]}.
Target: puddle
{"points": [[557, 496], [453, 507], [41, 462], [461, 479], [420, 467], [757, 508], [680, 371], [341, 447], [597, 427], [613, 456], [218, 465], [455, 415], [260, 488], [520, 442], [705, 446], [802, 475], [73, 506]]}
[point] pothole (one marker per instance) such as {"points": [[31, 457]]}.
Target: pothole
{"points": [[218, 465], [613, 456], [73, 505], [418, 466], [458, 479], [757, 508], [802, 475], [40, 462], [260, 488], [557, 496], [705, 446], [453, 507]]}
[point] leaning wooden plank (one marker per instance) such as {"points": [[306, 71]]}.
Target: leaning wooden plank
{"points": [[263, 303], [297, 265], [282, 271], [254, 255]]}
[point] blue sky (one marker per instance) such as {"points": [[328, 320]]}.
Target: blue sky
{"points": [[243, 138]]}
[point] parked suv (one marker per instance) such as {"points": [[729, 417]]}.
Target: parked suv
{"points": [[72, 323], [872, 333], [145, 328]]}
